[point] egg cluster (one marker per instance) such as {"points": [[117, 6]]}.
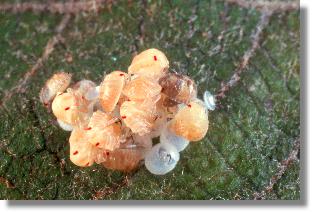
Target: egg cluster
{"points": [[113, 124]]}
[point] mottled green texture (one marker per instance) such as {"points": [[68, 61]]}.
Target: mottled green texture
{"points": [[252, 131]]}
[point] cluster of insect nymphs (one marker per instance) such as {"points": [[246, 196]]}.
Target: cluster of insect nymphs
{"points": [[113, 124]]}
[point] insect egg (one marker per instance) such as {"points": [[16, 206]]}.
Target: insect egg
{"points": [[162, 158], [110, 90], [57, 83], [143, 141], [93, 93], [167, 136], [151, 63]]}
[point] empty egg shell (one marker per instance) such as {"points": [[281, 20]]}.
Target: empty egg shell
{"points": [[191, 122], [178, 88], [85, 88], [151, 63], [100, 156], [167, 136], [64, 126], [141, 88], [110, 90], [143, 141], [162, 158], [160, 122], [93, 94], [103, 131], [82, 153], [57, 83]]}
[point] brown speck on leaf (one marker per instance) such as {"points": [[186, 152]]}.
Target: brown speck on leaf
{"points": [[6, 182], [249, 53], [68, 57], [281, 169]]}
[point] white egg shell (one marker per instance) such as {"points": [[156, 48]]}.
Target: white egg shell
{"points": [[65, 126], [93, 94], [162, 159], [209, 101], [167, 136]]}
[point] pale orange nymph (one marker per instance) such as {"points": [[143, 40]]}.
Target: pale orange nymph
{"points": [[103, 131], [71, 109], [129, 155], [191, 121], [57, 83], [110, 90], [138, 116], [123, 159], [151, 63], [82, 153], [141, 88]]}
